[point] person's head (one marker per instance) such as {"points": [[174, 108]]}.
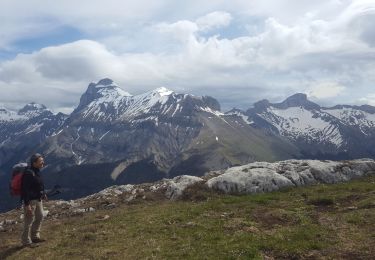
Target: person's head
{"points": [[37, 161]]}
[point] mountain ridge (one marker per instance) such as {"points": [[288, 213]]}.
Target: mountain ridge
{"points": [[113, 137]]}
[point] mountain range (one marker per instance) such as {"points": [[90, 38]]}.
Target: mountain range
{"points": [[113, 137]]}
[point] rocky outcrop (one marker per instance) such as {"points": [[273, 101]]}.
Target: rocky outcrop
{"points": [[252, 178], [177, 185], [265, 177]]}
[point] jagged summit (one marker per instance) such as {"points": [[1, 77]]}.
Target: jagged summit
{"points": [[366, 108], [32, 107], [298, 100], [106, 86], [103, 91], [105, 82], [262, 104]]}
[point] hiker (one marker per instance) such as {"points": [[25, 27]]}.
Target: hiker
{"points": [[32, 195]]}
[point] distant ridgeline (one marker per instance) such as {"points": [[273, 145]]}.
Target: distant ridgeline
{"points": [[113, 137]]}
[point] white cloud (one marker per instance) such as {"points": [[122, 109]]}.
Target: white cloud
{"points": [[182, 30], [142, 46], [369, 99], [213, 20], [325, 90]]}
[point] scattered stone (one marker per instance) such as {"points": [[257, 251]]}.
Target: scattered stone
{"points": [[251, 229], [90, 209], [130, 198], [111, 206], [9, 222], [227, 214], [189, 224], [45, 213], [79, 210], [105, 217]]}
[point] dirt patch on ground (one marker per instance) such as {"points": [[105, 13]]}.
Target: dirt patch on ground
{"points": [[272, 218], [197, 192]]}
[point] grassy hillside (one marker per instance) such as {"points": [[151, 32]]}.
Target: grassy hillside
{"points": [[318, 222]]}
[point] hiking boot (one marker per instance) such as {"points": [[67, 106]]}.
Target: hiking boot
{"points": [[38, 240], [30, 245]]}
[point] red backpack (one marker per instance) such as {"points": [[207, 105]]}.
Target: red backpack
{"points": [[15, 185]]}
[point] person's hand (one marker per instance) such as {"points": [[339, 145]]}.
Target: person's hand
{"points": [[29, 210]]}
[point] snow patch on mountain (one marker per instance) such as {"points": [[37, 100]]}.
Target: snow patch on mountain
{"points": [[354, 117], [33, 128], [8, 115], [298, 122], [239, 113], [32, 110], [211, 111], [163, 91]]}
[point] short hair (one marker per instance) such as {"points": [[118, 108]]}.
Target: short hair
{"points": [[34, 158]]}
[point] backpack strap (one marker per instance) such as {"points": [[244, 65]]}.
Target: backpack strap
{"points": [[29, 171]]}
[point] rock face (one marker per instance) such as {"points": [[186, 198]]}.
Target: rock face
{"points": [[265, 177]]}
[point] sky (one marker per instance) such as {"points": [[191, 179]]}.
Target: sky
{"points": [[238, 51]]}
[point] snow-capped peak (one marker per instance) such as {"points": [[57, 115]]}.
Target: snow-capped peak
{"points": [[34, 106], [105, 82], [32, 109], [163, 91], [105, 86]]}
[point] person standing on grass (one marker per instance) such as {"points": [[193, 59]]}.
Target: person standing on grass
{"points": [[32, 196]]}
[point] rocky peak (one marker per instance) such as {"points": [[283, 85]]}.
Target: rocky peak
{"points": [[260, 106], [104, 88], [104, 82], [298, 100], [32, 109], [211, 102]]}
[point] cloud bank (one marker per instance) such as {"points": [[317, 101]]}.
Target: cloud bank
{"points": [[238, 53]]}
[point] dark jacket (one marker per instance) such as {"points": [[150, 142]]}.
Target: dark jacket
{"points": [[32, 185]]}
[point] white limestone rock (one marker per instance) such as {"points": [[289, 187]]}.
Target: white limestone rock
{"points": [[251, 178], [177, 185], [264, 177]]}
